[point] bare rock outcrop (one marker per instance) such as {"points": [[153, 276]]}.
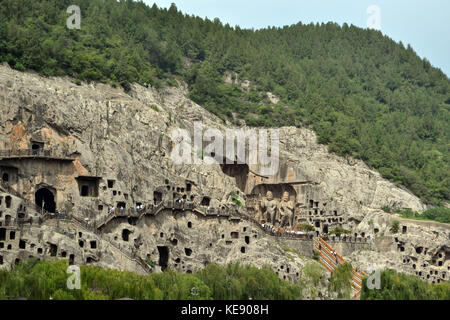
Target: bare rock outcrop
{"points": [[85, 151]]}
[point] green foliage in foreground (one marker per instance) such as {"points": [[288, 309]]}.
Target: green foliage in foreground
{"points": [[243, 282], [341, 282], [399, 286], [33, 279], [313, 274], [364, 94]]}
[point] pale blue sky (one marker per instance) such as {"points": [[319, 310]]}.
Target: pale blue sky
{"points": [[424, 24]]}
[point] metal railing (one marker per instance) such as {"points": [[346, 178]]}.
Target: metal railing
{"points": [[17, 153], [330, 259]]}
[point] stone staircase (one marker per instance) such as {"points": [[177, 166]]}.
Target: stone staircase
{"points": [[331, 262]]}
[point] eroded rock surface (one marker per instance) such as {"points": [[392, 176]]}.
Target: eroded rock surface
{"points": [[83, 152]]}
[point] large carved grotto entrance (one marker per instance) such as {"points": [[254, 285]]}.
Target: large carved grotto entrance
{"points": [[237, 171], [46, 199]]}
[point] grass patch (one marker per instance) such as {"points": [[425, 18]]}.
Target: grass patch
{"points": [[439, 214]]}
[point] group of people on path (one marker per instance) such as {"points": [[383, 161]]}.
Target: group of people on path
{"points": [[112, 210], [289, 232]]}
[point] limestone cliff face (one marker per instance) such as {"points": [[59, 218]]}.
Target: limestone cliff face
{"points": [[110, 134], [101, 148], [126, 138], [418, 247]]}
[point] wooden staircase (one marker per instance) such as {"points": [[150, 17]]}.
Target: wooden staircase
{"points": [[331, 262]]}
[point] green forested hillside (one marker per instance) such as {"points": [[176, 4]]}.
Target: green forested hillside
{"points": [[363, 94]]}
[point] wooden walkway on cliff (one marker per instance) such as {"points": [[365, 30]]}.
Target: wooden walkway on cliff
{"points": [[34, 154]]}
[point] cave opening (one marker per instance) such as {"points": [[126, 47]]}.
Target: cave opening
{"points": [[84, 191], [45, 199], [37, 146], [53, 250], [163, 257], [206, 201], [238, 171], [157, 197], [88, 185], [132, 221], [126, 234], [8, 200]]}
